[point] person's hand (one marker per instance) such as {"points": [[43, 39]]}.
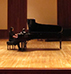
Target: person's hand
{"points": [[15, 36]]}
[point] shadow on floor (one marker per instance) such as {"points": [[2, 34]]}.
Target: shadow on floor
{"points": [[37, 49], [42, 49]]}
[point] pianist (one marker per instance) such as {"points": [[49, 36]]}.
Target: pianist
{"points": [[13, 37], [22, 33]]}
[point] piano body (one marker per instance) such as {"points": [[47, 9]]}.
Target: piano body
{"points": [[41, 31]]}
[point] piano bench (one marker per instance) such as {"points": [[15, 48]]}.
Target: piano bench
{"points": [[10, 45]]}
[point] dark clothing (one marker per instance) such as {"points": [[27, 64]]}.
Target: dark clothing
{"points": [[11, 33], [13, 40]]}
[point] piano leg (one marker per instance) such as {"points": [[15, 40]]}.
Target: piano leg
{"points": [[23, 45], [60, 40], [60, 44]]}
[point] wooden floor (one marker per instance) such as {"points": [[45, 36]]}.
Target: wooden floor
{"points": [[38, 55]]}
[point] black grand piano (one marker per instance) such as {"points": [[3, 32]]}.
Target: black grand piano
{"points": [[40, 31]]}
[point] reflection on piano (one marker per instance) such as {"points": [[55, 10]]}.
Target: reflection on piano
{"points": [[41, 31]]}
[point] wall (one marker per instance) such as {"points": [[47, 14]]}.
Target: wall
{"points": [[64, 13], [3, 14], [17, 16], [44, 11]]}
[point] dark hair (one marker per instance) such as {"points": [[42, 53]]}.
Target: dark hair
{"points": [[11, 28]]}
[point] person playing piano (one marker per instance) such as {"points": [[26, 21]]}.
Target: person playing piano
{"points": [[23, 32], [13, 37]]}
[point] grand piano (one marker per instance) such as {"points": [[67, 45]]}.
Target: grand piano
{"points": [[40, 31]]}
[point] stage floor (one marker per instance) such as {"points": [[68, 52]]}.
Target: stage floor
{"points": [[38, 55]]}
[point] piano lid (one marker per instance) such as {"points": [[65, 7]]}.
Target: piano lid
{"points": [[33, 26], [30, 21]]}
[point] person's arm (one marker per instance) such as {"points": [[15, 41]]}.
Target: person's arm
{"points": [[15, 36]]}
